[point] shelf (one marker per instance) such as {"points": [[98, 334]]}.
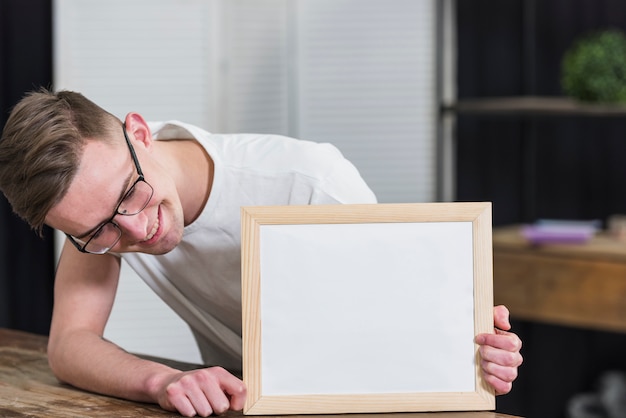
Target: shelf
{"points": [[534, 105]]}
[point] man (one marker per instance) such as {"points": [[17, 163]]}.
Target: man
{"points": [[166, 198]]}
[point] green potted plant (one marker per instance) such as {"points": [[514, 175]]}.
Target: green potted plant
{"points": [[594, 68]]}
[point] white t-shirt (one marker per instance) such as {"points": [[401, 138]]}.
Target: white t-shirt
{"points": [[201, 278]]}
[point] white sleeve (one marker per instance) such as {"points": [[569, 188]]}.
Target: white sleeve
{"points": [[344, 184]]}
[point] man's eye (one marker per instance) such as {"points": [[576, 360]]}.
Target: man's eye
{"points": [[98, 233], [128, 198], [129, 194]]}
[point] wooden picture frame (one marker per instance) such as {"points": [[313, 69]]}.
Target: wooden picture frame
{"points": [[366, 308]]}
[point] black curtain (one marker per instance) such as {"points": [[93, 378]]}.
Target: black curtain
{"points": [[540, 167], [26, 260]]}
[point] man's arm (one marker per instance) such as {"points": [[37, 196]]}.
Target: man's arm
{"points": [[85, 289]]}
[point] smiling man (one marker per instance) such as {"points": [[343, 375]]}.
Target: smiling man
{"points": [[166, 198]]}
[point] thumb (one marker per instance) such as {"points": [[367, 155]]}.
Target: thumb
{"points": [[501, 317]]}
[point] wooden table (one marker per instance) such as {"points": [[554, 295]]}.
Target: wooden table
{"points": [[580, 285], [28, 389]]}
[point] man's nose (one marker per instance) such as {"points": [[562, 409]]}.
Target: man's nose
{"points": [[132, 226]]}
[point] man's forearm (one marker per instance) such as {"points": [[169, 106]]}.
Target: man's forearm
{"points": [[85, 360]]}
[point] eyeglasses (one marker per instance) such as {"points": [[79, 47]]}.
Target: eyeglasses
{"points": [[134, 201]]}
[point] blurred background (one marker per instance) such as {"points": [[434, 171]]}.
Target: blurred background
{"points": [[408, 90]]}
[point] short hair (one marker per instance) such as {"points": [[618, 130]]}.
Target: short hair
{"points": [[41, 147]]}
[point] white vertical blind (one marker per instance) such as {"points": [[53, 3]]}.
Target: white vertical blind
{"points": [[149, 56], [356, 73], [366, 82], [255, 71], [153, 57]]}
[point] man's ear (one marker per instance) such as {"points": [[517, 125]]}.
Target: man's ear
{"points": [[137, 129]]}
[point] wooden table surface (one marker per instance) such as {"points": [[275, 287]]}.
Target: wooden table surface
{"points": [[28, 389], [579, 285]]}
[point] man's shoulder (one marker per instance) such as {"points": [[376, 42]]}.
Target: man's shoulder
{"points": [[264, 144]]}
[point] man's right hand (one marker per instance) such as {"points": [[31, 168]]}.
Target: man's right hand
{"points": [[201, 392], [85, 288]]}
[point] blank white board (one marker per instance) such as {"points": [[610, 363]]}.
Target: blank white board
{"points": [[365, 308]]}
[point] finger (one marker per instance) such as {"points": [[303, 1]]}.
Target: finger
{"points": [[499, 377], [501, 339], [500, 357], [178, 401], [236, 391], [232, 388], [501, 317], [188, 397], [223, 390], [201, 403], [500, 387], [503, 373], [218, 399], [238, 400]]}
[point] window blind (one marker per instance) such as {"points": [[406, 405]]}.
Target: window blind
{"points": [[357, 73]]}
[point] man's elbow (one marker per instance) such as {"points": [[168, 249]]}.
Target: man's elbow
{"points": [[55, 360]]}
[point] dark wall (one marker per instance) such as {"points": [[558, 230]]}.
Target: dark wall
{"points": [[540, 167], [26, 260]]}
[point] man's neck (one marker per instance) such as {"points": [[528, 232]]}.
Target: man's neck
{"points": [[193, 174]]}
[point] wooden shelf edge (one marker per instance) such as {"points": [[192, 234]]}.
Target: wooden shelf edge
{"points": [[533, 105]]}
